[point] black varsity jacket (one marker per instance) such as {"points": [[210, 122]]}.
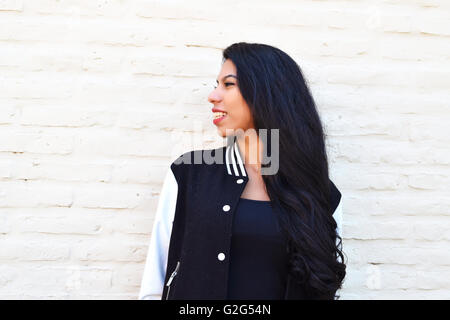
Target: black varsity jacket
{"points": [[188, 255]]}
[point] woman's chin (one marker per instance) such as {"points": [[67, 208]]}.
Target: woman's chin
{"points": [[221, 133]]}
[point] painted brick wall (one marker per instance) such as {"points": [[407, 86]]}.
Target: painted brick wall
{"points": [[98, 97]]}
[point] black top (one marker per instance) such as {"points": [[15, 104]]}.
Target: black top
{"points": [[258, 257]]}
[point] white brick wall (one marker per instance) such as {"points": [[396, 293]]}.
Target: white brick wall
{"points": [[97, 98]]}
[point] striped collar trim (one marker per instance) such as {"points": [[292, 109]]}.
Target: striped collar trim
{"points": [[233, 160]]}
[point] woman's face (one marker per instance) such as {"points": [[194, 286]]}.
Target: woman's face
{"points": [[226, 97]]}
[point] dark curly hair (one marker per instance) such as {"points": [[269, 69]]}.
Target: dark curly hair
{"points": [[275, 90]]}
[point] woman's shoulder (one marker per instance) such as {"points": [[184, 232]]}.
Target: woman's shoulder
{"points": [[335, 196]]}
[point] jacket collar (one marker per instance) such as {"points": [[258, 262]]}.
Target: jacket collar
{"points": [[233, 159]]}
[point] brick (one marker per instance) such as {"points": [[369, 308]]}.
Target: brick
{"points": [[347, 48], [374, 124], [11, 5], [7, 114], [131, 224], [373, 181], [414, 48], [396, 203], [131, 143], [395, 277], [109, 250], [395, 294], [337, 99], [429, 3], [36, 143], [397, 23], [346, 19], [428, 181], [141, 171], [188, 61], [35, 169], [391, 251], [392, 152], [128, 276], [85, 8], [436, 229], [429, 128], [5, 168], [434, 25], [61, 224], [65, 280], [5, 226], [82, 279], [392, 76], [156, 117], [66, 116], [110, 196], [365, 228], [34, 194], [33, 251]]}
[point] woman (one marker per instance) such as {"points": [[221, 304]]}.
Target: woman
{"points": [[228, 227]]}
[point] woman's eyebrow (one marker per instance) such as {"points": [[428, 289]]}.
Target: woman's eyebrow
{"points": [[229, 75]]}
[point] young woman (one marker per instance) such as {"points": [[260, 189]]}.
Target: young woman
{"points": [[226, 226]]}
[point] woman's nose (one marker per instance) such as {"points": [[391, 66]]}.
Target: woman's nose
{"points": [[214, 96]]}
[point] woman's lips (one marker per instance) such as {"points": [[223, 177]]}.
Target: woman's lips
{"points": [[216, 121]]}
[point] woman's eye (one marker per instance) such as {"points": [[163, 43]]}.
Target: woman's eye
{"points": [[226, 84]]}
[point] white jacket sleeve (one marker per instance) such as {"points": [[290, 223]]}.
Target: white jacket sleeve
{"points": [[155, 266], [337, 215]]}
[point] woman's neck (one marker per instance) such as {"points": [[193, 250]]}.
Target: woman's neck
{"points": [[251, 149]]}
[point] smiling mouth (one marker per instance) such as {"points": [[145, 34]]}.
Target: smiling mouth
{"points": [[218, 115]]}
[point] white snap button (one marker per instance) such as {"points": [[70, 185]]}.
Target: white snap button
{"points": [[240, 181], [221, 256], [226, 207]]}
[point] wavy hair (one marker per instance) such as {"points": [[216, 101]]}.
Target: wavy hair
{"points": [[278, 96]]}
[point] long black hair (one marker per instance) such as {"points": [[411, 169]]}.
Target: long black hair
{"points": [[275, 90]]}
